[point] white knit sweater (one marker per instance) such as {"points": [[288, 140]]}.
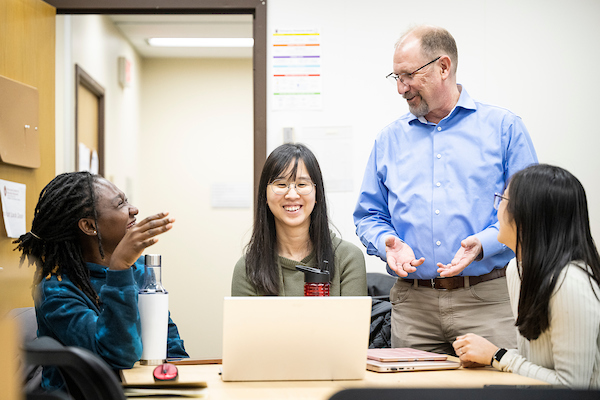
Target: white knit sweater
{"points": [[568, 353]]}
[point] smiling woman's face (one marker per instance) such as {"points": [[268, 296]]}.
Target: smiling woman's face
{"points": [[115, 214], [292, 209]]}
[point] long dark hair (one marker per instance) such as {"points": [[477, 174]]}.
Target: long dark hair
{"points": [[53, 244], [261, 253], [549, 207]]}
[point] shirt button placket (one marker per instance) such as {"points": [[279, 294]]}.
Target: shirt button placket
{"points": [[438, 184]]}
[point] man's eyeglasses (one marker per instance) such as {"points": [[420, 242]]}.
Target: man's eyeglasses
{"points": [[497, 199], [301, 186], [407, 78]]}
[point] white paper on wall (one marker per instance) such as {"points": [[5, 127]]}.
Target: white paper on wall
{"points": [[296, 66], [13, 207], [85, 154], [333, 148], [231, 195], [94, 163]]}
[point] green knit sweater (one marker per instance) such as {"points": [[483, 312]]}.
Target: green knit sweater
{"points": [[349, 279]]}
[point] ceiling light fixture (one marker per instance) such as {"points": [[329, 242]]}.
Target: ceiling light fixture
{"points": [[201, 42]]}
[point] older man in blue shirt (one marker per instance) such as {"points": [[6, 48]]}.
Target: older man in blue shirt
{"points": [[426, 202]]}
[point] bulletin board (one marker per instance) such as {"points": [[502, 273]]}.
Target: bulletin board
{"points": [[19, 120]]}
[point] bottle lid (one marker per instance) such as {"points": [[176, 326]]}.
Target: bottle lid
{"points": [[152, 260], [313, 275]]}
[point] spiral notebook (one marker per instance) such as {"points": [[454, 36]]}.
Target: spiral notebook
{"points": [[295, 338]]}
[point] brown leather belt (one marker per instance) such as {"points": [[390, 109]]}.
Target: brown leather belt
{"points": [[457, 282]]}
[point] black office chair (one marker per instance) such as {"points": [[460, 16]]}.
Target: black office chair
{"points": [[495, 393], [87, 376]]}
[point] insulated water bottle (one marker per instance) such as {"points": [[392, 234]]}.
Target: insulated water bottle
{"points": [[153, 305]]}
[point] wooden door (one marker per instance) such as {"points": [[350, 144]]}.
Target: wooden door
{"points": [[27, 30], [27, 38]]}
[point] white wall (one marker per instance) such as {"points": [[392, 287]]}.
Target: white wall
{"points": [[534, 57], [180, 127], [197, 131], [95, 44]]}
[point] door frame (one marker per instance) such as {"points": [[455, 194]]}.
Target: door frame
{"points": [[84, 79], [256, 8]]}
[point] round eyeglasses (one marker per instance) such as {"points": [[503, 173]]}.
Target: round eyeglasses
{"points": [[301, 186], [498, 199]]}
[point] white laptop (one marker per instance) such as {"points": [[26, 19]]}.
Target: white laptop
{"points": [[295, 338]]}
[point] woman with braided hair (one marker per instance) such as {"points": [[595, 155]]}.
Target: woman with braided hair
{"points": [[87, 247]]}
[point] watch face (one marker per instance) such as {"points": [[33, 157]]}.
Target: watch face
{"points": [[499, 354]]}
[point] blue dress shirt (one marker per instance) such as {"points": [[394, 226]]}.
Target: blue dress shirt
{"points": [[432, 185]]}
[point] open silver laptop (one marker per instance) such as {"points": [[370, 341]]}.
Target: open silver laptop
{"points": [[295, 338]]}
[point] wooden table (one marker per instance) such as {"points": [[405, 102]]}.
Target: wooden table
{"points": [[323, 390]]}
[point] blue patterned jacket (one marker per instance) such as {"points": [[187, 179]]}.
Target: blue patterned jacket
{"points": [[113, 332]]}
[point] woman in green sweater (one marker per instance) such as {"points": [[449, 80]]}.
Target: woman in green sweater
{"points": [[291, 228]]}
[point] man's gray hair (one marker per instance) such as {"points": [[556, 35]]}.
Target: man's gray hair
{"points": [[435, 42]]}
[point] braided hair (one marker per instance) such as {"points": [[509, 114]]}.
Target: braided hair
{"points": [[53, 242]]}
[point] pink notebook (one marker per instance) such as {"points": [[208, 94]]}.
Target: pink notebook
{"points": [[401, 366], [403, 354]]}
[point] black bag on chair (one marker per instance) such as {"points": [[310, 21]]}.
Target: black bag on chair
{"points": [[378, 287], [381, 328]]}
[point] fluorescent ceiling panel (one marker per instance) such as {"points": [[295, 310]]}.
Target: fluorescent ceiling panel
{"points": [[201, 42]]}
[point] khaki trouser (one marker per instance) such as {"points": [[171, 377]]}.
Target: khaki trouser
{"points": [[431, 319]]}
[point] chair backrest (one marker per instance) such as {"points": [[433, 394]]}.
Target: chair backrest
{"points": [[495, 393], [27, 323], [87, 375], [379, 285], [25, 318]]}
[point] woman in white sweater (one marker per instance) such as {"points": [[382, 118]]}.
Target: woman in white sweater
{"points": [[553, 282]]}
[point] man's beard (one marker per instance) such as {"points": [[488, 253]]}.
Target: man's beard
{"points": [[420, 110]]}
